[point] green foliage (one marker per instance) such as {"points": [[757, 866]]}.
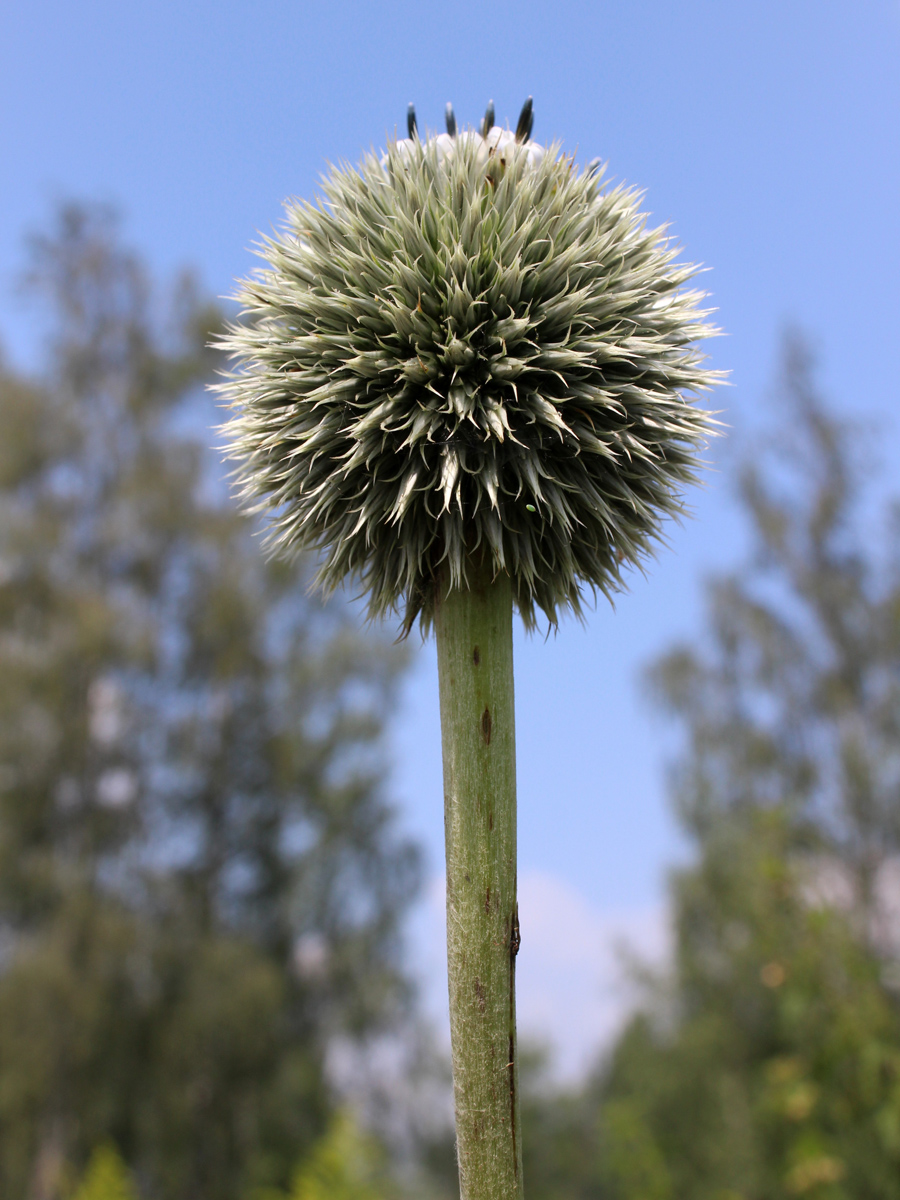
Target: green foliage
{"points": [[106, 1178], [633, 1162], [784, 1065], [199, 880], [469, 342], [766, 1066], [345, 1165]]}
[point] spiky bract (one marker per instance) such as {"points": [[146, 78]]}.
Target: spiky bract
{"points": [[482, 350]]}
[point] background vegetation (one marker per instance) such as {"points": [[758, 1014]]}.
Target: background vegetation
{"points": [[201, 885], [199, 880], [766, 1064]]}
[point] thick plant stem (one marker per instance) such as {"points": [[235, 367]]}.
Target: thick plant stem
{"points": [[475, 662]]}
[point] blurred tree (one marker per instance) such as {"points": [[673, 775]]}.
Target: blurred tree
{"points": [[200, 883], [767, 1065], [774, 1068], [797, 703]]}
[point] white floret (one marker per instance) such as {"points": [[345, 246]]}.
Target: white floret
{"points": [[444, 144], [405, 147], [500, 143]]}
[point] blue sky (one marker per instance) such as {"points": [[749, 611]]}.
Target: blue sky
{"points": [[766, 135]]}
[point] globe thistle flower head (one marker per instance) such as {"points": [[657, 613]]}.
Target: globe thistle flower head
{"points": [[469, 345]]}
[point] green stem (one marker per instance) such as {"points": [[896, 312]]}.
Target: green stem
{"points": [[475, 663]]}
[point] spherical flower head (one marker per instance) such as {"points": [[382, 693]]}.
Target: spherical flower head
{"points": [[468, 346]]}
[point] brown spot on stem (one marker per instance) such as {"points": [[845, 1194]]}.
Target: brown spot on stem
{"points": [[476, 656], [487, 901], [480, 994], [490, 821], [486, 725]]}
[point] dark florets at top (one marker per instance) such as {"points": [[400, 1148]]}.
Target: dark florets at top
{"points": [[469, 345]]}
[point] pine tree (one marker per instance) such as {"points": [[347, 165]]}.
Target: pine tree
{"points": [[345, 1165], [106, 1178]]}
